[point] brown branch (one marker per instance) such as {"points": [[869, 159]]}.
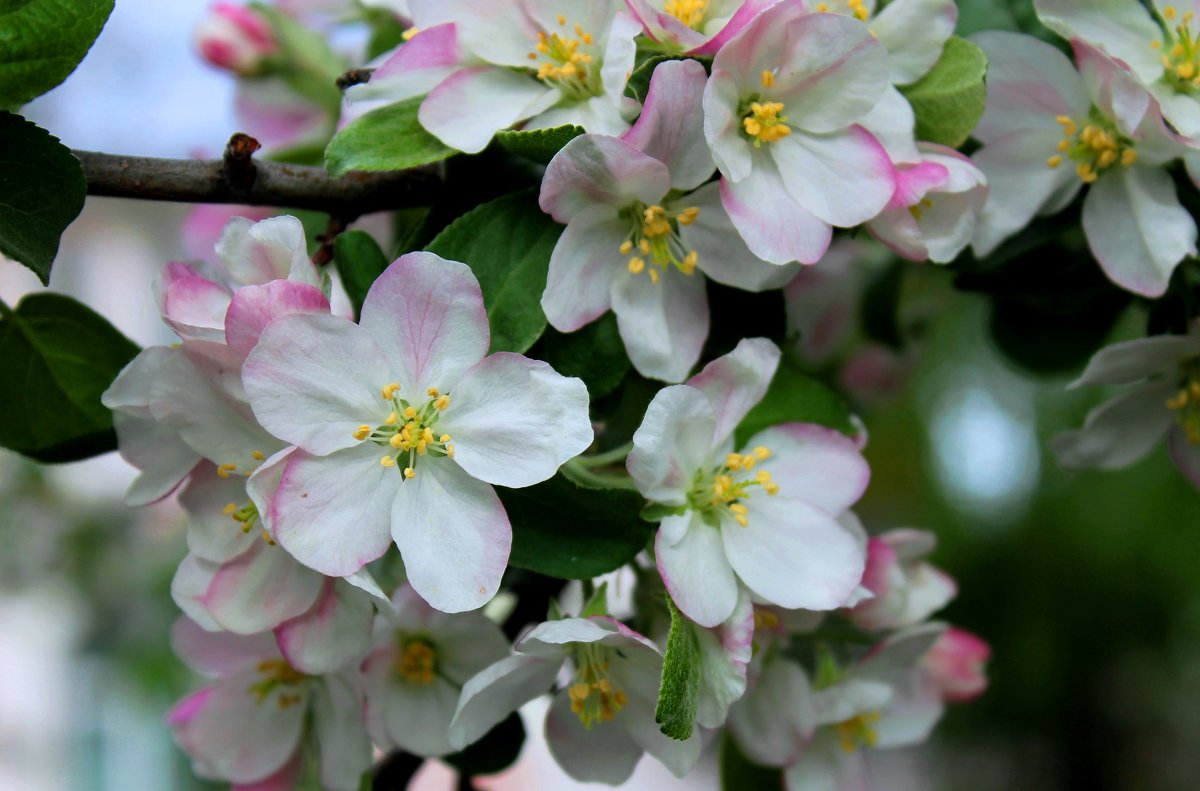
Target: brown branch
{"points": [[238, 179]]}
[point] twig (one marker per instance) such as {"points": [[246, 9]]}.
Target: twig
{"points": [[238, 179]]}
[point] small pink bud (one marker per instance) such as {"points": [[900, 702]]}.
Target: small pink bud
{"points": [[235, 38], [955, 664]]}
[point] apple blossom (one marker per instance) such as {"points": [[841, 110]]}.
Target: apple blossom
{"points": [[636, 232], [601, 722], [415, 674], [402, 427], [236, 38], [764, 517], [906, 590], [781, 117], [194, 299], [932, 215], [487, 67], [1048, 131], [1163, 401], [1159, 45], [955, 664], [724, 654], [256, 720], [698, 27]]}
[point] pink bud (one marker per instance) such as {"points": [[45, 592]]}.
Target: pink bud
{"points": [[235, 38], [955, 664]]}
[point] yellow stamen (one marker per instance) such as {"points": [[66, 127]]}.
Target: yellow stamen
{"points": [[389, 391], [224, 470]]}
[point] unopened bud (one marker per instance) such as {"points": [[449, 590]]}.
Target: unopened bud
{"points": [[236, 38]]}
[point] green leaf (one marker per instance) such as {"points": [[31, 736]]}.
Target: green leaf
{"points": [[387, 32], [58, 356], [496, 751], [41, 43], [569, 532], [597, 604], [739, 773], [390, 138], [794, 397], [595, 353], [359, 261], [639, 82], [949, 100], [656, 512], [679, 692], [41, 191], [538, 145], [507, 243]]}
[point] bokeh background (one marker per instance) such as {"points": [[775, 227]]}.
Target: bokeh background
{"points": [[1085, 584]]}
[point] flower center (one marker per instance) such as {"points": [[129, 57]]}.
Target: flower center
{"points": [[560, 62], [246, 517], [225, 470], [855, 8], [408, 431], [1186, 403], [722, 491], [278, 676], [1180, 48], [1096, 148], [416, 662], [655, 239], [858, 731], [763, 121], [593, 696], [689, 12]]}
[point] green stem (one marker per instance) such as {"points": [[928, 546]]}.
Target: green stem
{"points": [[613, 456], [583, 476]]}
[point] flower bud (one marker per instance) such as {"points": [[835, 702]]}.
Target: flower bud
{"points": [[955, 664], [235, 38]]}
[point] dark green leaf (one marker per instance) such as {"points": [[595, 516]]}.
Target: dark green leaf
{"points": [[41, 191], [495, 752], [794, 397], [595, 353], [949, 100], [359, 261], [738, 773], [507, 243], [390, 138], [639, 82], [41, 43], [538, 145], [679, 692], [565, 531], [881, 305], [58, 356]]}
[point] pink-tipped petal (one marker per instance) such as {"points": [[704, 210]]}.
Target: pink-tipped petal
{"points": [[192, 304], [671, 128], [582, 266], [736, 382], [774, 226], [818, 465], [254, 307], [597, 169], [333, 634], [695, 570], [664, 324]]}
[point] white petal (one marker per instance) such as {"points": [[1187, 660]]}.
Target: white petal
{"points": [[260, 589], [773, 224], [453, 534], [734, 383], [188, 586], [826, 767], [334, 513], [333, 634], [843, 178], [914, 32], [514, 421], [598, 169], [1120, 431], [670, 128], [407, 715], [344, 749], [427, 315], [585, 258], [696, 572], [723, 256], [818, 465], [663, 324], [1132, 361], [1122, 28], [211, 533], [640, 682], [219, 653], [775, 719], [163, 459], [272, 249], [498, 98], [604, 754], [498, 691], [313, 380], [672, 444], [1137, 229]]}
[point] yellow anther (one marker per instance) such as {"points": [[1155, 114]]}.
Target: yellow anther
{"points": [[654, 276], [389, 391], [689, 12], [762, 452], [409, 472], [1129, 156], [738, 508], [1155, 45], [689, 262], [417, 662], [410, 412], [689, 215], [1186, 70], [1169, 13], [392, 418], [741, 520], [626, 247], [1085, 172], [396, 441], [388, 461], [733, 461], [450, 451], [767, 78], [229, 509], [408, 34], [1052, 162], [765, 123], [1064, 145], [224, 470], [444, 439], [432, 392], [644, 246], [362, 432], [442, 403], [822, 8], [268, 538], [636, 265], [562, 20], [422, 447]]}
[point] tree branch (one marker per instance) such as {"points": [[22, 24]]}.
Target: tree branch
{"points": [[238, 179]]}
